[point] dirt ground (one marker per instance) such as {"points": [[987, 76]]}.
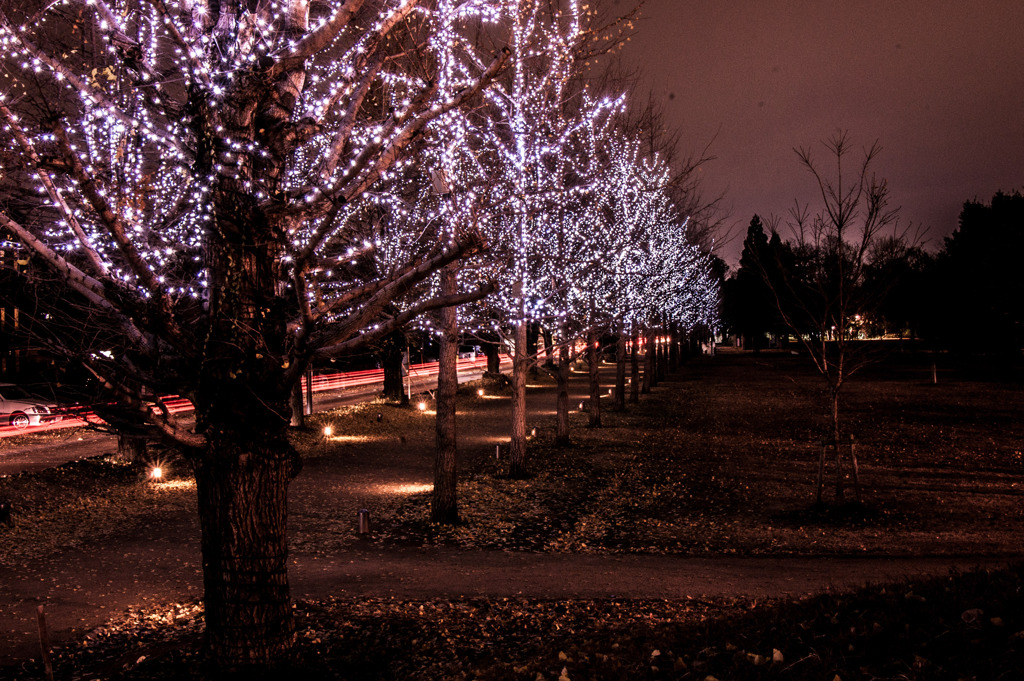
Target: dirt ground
{"points": [[720, 459], [704, 489]]}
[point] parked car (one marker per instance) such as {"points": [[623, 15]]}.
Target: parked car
{"points": [[22, 409]]}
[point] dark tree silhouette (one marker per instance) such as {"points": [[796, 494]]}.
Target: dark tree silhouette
{"points": [[749, 305], [977, 278], [901, 271]]}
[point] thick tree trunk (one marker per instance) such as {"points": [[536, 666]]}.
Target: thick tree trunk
{"points": [[650, 380], [533, 343], [493, 357], [242, 485], [634, 368], [295, 404], [562, 437], [392, 356], [620, 369], [594, 364], [243, 411], [131, 448], [549, 341], [444, 504], [520, 366]]}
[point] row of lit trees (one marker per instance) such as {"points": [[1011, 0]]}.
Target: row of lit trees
{"points": [[218, 194], [552, 179]]}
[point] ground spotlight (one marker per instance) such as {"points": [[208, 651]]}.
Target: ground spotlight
{"points": [[328, 431]]}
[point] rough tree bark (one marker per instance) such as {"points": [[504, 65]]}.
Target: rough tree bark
{"points": [[243, 410], [444, 503], [562, 437], [131, 448], [493, 357], [298, 413], [242, 486], [392, 355]]}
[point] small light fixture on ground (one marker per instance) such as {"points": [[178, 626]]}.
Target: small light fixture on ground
{"points": [[156, 473], [480, 392], [422, 406], [533, 432], [328, 431]]}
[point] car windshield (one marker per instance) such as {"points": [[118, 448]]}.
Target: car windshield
{"points": [[16, 392]]}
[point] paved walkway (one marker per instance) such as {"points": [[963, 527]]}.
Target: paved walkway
{"points": [[84, 589]]}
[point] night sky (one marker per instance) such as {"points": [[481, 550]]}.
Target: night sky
{"points": [[938, 83]]}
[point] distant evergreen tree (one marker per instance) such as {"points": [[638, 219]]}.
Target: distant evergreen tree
{"points": [[750, 308], [978, 281]]}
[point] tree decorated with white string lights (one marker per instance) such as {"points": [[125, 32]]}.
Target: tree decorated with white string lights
{"points": [[637, 203], [647, 272], [451, 199], [198, 176], [586, 242], [536, 113]]}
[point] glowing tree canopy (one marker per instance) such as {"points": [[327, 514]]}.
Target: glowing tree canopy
{"points": [[532, 115], [198, 177]]}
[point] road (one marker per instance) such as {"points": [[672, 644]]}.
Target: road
{"points": [[43, 447]]}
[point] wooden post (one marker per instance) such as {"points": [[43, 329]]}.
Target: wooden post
{"points": [[821, 471], [44, 643], [307, 407], [856, 470]]}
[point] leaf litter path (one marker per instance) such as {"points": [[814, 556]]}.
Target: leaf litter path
{"points": [[92, 586], [157, 561]]}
